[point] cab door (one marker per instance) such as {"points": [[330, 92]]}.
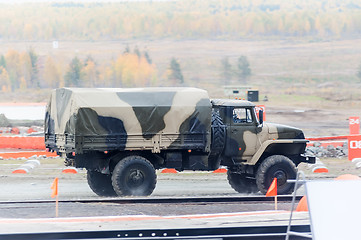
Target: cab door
{"points": [[242, 139]]}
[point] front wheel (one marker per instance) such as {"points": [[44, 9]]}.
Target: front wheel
{"points": [[276, 166], [134, 176]]}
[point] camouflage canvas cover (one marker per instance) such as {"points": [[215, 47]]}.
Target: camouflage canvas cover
{"points": [[129, 118]]}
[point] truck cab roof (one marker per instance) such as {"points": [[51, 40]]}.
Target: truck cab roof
{"points": [[231, 103]]}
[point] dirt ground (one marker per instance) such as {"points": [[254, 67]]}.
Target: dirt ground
{"points": [[336, 167], [314, 122]]}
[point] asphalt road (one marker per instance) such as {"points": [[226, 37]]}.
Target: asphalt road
{"points": [[36, 186]]}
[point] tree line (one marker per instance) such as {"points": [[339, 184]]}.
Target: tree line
{"points": [[183, 19], [132, 68], [24, 70], [27, 70]]}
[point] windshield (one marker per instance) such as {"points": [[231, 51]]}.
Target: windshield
{"points": [[242, 115]]}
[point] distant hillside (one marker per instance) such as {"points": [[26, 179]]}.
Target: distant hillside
{"points": [[211, 19]]}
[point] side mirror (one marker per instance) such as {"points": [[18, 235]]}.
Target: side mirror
{"points": [[260, 116]]}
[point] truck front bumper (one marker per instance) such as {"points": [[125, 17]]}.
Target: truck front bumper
{"points": [[308, 159]]}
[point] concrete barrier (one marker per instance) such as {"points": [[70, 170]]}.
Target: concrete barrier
{"points": [[27, 167]]}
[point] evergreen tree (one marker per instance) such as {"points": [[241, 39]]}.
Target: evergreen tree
{"points": [[175, 74], [244, 70], [137, 52], [127, 50], [147, 57], [2, 61], [226, 70], [89, 58], [74, 76], [34, 80]]}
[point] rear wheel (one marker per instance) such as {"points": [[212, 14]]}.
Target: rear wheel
{"points": [[276, 166], [101, 184], [134, 176], [241, 184]]}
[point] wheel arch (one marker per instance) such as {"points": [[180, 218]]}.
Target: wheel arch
{"points": [[288, 148], [118, 156]]}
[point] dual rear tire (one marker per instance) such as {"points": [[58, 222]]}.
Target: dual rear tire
{"points": [[132, 176], [101, 184], [241, 183]]}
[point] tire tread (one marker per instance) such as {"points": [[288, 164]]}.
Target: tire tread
{"points": [[269, 162], [100, 184], [121, 167]]}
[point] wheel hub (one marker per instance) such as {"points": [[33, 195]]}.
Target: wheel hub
{"points": [[136, 178], [281, 177]]}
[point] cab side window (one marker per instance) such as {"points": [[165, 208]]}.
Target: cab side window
{"points": [[242, 115]]}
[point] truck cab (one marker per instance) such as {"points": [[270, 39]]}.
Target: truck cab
{"points": [[242, 128], [251, 144]]}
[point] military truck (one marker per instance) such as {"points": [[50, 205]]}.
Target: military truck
{"points": [[122, 135]]}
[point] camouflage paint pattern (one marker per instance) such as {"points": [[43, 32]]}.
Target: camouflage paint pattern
{"points": [[246, 142], [155, 119], [129, 119]]}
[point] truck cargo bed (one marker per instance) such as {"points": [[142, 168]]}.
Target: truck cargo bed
{"points": [[80, 144], [155, 119]]}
